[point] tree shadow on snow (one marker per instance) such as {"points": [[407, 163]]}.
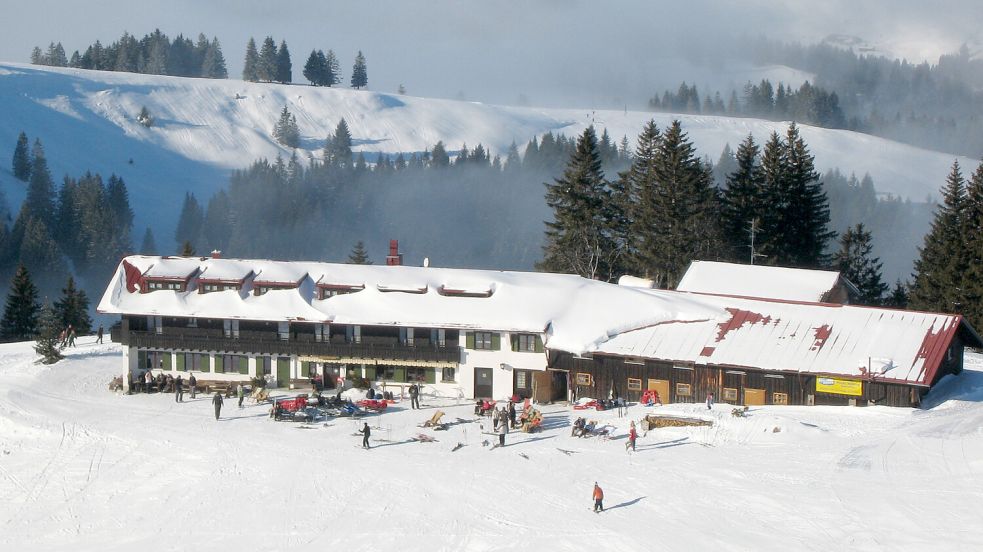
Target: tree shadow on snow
{"points": [[624, 504]]}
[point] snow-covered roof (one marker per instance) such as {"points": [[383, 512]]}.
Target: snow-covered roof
{"points": [[801, 337], [770, 282], [225, 270], [574, 313], [171, 268]]}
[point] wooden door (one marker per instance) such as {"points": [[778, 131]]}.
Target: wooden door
{"points": [[282, 372], [754, 397], [662, 386], [541, 391], [482, 383]]}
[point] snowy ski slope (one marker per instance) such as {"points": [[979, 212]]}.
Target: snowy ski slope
{"points": [[84, 468], [206, 128]]}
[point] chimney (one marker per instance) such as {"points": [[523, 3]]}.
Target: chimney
{"points": [[394, 258], [216, 254]]}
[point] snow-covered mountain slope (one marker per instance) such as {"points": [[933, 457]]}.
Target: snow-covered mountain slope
{"points": [[205, 128], [84, 468]]}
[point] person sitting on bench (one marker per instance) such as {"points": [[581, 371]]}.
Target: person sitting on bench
{"points": [[578, 427]]}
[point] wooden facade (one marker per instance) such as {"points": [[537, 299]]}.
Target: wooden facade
{"points": [[601, 376]]}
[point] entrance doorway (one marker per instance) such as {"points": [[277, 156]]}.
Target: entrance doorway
{"points": [[522, 383], [482, 383], [662, 387], [282, 371]]}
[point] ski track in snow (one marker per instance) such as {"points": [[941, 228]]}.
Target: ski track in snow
{"points": [[89, 469]]}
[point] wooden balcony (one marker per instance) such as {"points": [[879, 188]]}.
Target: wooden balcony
{"points": [[265, 343]]}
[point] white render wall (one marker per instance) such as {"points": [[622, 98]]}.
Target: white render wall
{"points": [[502, 363]]}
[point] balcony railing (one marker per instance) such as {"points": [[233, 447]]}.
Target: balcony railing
{"points": [[265, 344]]}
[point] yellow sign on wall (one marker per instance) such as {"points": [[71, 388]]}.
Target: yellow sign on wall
{"points": [[839, 386]]}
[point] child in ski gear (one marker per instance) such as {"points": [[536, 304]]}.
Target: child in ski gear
{"points": [[217, 402], [241, 393], [365, 431], [632, 435], [178, 390], [709, 401], [598, 498]]}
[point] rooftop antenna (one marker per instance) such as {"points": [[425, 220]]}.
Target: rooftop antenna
{"points": [[754, 228]]}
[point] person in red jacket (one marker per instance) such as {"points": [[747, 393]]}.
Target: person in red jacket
{"points": [[632, 435], [598, 498]]}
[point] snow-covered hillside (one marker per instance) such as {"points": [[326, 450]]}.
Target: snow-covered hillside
{"points": [[206, 128], [85, 468]]}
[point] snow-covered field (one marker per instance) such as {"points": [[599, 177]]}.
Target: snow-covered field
{"points": [[83, 468], [205, 128]]}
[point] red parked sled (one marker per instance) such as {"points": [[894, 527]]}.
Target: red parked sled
{"points": [[377, 405]]}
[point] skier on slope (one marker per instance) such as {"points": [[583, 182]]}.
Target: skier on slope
{"points": [[366, 431], [598, 498]]}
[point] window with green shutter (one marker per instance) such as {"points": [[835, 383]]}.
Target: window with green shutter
{"points": [[469, 340], [539, 345], [243, 365], [305, 369], [399, 373], [219, 364], [166, 360], [496, 341], [179, 362]]}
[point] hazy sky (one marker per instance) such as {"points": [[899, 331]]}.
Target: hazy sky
{"points": [[552, 52]]}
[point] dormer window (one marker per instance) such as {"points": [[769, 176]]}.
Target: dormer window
{"points": [[326, 291], [449, 291], [211, 287], [262, 289], [155, 285]]}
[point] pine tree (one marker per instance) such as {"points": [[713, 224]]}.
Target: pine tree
{"points": [[47, 342], [40, 190], [286, 130], [189, 225], [360, 75], [679, 216], [40, 254], [439, 156], [639, 185], [188, 250], [939, 269], [148, 246], [37, 58], [332, 73], [22, 159], [20, 315], [213, 63], [250, 70], [73, 308], [741, 203], [898, 298], [578, 239], [358, 255], [284, 69], [267, 67], [806, 224], [314, 68], [972, 244], [856, 263], [338, 147]]}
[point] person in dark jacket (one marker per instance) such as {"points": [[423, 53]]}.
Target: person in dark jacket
{"points": [[366, 432], [512, 414], [217, 402], [192, 382], [179, 389], [99, 338], [503, 428], [414, 397]]}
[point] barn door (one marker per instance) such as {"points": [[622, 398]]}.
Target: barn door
{"points": [[754, 397], [662, 386]]}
